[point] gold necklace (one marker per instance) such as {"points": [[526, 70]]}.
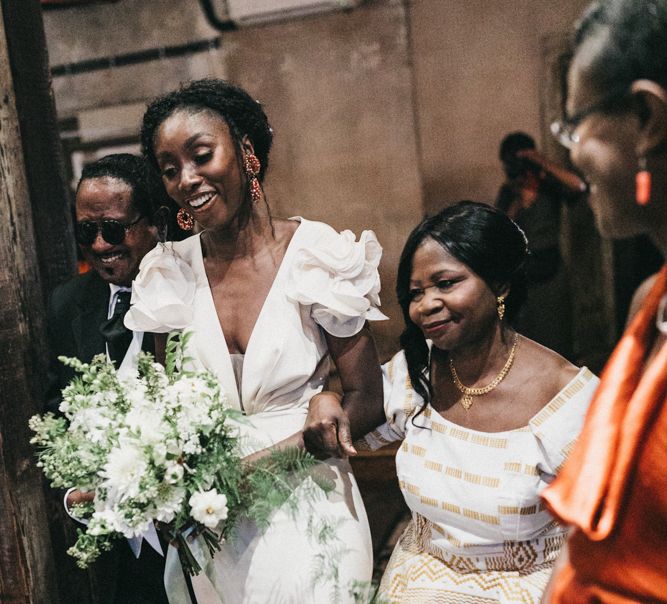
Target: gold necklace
{"points": [[468, 393]]}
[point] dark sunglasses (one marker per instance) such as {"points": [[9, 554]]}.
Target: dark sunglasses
{"points": [[113, 231]]}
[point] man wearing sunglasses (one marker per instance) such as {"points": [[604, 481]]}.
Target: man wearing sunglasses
{"points": [[114, 229]]}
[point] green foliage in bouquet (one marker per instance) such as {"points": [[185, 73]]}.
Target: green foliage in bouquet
{"points": [[162, 447]]}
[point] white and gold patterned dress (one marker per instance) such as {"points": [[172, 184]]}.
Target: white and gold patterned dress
{"points": [[479, 533]]}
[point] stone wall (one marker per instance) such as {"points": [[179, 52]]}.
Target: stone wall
{"points": [[478, 73]]}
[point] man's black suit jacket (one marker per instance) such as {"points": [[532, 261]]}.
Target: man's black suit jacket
{"points": [[76, 310]]}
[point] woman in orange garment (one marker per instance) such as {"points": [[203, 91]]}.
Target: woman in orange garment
{"points": [[613, 489]]}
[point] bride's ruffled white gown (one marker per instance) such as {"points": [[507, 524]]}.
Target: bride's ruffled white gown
{"points": [[326, 281]]}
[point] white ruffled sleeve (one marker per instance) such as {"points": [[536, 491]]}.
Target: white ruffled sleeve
{"points": [[338, 278], [162, 293], [401, 402]]}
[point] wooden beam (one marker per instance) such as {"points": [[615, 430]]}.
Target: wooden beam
{"points": [[26, 560], [50, 197], [37, 254], [62, 3]]}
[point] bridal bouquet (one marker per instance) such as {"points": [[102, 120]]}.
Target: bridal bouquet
{"points": [[159, 447]]}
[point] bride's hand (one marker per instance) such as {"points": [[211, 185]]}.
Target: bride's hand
{"points": [[295, 440], [326, 432]]}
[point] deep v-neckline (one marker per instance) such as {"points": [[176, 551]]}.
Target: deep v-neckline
{"points": [[276, 279]]}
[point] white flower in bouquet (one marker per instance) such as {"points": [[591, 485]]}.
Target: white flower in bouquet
{"points": [[104, 522], [195, 401], [209, 508], [190, 391], [148, 424], [135, 390], [125, 468], [169, 504], [94, 421], [136, 526], [174, 473]]}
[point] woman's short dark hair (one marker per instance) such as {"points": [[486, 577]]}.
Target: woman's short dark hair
{"points": [[243, 115], [131, 169], [633, 44], [486, 241]]}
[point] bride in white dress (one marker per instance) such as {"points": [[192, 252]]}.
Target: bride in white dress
{"points": [[269, 302]]}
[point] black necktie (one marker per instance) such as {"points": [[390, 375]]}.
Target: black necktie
{"points": [[117, 336]]}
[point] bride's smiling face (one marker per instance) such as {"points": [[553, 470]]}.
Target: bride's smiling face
{"points": [[198, 161]]}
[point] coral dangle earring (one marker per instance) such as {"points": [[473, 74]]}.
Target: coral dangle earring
{"points": [[255, 190], [252, 168], [642, 184], [185, 220]]}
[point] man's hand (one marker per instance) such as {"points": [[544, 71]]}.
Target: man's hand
{"points": [[326, 432], [76, 496]]}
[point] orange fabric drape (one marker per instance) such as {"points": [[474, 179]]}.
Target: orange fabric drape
{"points": [[613, 488]]}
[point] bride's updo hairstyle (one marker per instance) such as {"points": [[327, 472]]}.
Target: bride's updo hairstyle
{"points": [[487, 242], [243, 115]]}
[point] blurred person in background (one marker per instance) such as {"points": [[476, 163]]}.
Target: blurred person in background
{"points": [[532, 195]]}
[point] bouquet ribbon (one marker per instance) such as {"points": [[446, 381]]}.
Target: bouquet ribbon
{"points": [[151, 538], [208, 591], [128, 366]]}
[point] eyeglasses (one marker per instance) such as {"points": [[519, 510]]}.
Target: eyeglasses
{"points": [[565, 130], [113, 231], [661, 317]]}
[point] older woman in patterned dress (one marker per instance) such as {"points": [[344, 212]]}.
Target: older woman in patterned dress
{"points": [[486, 416]]}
